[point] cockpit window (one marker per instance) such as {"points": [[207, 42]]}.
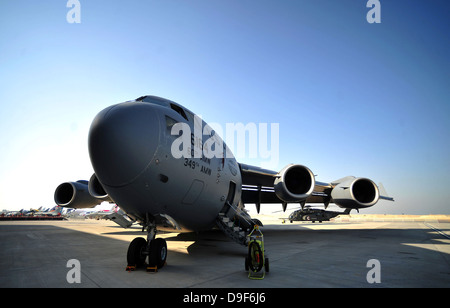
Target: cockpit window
{"points": [[166, 103], [190, 115], [153, 100], [170, 122], [179, 110]]}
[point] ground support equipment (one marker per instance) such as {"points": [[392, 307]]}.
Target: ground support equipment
{"points": [[256, 263]]}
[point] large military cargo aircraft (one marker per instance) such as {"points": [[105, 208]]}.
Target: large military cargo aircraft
{"points": [[150, 159]]}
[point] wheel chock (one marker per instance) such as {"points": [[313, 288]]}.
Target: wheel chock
{"points": [[130, 268], [152, 269]]}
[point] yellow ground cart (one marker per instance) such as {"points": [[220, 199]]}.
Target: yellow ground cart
{"points": [[256, 263]]}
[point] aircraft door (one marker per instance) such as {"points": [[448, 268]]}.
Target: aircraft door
{"points": [[231, 192]]}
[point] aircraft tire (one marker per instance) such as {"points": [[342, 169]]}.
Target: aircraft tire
{"points": [[135, 257], [158, 252]]}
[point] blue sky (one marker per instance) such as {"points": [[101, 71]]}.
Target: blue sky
{"points": [[351, 98]]}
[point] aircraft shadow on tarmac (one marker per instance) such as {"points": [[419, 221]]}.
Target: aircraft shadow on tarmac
{"points": [[393, 244], [37, 255]]}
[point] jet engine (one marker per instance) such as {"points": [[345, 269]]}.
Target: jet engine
{"points": [[75, 195], [355, 193], [294, 183], [81, 194], [96, 189]]}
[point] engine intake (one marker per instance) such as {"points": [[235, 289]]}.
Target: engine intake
{"points": [[294, 183], [355, 193], [75, 195], [96, 189]]}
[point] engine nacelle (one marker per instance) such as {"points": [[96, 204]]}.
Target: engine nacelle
{"points": [[96, 189], [75, 195], [294, 183], [355, 193]]}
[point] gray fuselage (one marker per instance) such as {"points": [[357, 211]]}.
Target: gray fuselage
{"points": [[132, 146]]}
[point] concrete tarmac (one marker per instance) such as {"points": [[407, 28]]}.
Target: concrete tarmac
{"points": [[329, 254]]}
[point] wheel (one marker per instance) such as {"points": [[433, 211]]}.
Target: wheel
{"points": [[135, 256], [246, 264], [158, 252], [266, 264], [255, 256]]}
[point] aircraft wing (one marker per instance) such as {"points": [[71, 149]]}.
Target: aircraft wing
{"points": [[258, 187], [383, 194], [255, 176], [267, 186]]}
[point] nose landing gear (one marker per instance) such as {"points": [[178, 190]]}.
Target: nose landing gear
{"points": [[153, 248]]}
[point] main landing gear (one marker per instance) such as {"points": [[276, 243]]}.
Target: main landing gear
{"points": [[153, 248]]}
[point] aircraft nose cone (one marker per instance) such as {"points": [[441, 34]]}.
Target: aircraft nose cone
{"points": [[123, 140]]}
